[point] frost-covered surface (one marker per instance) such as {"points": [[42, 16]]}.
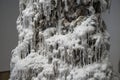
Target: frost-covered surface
{"points": [[62, 40]]}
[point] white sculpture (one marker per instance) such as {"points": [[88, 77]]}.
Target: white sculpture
{"points": [[62, 40]]}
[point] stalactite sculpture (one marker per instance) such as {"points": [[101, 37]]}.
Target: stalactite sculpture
{"points": [[62, 40]]}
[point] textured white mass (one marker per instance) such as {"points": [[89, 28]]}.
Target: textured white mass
{"points": [[62, 40]]}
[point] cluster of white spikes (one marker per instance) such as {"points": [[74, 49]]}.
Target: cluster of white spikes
{"points": [[61, 40]]}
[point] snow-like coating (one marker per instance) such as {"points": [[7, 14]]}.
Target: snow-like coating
{"points": [[62, 40]]}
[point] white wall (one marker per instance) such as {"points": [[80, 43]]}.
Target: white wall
{"points": [[113, 23], [8, 33]]}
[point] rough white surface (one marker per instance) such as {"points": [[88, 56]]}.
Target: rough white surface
{"points": [[61, 40]]}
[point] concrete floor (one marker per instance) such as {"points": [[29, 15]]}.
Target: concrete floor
{"points": [[4, 75]]}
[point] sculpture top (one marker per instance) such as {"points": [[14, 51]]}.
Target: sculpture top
{"points": [[66, 8]]}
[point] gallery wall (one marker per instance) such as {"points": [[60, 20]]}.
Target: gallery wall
{"points": [[112, 20], [8, 33]]}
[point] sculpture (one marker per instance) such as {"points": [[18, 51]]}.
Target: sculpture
{"points": [[62, 40]]}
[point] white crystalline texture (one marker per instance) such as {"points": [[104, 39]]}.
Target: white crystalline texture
{"points": [[62, 40]]}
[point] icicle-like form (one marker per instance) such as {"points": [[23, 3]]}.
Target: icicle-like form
{"points": [[61, 40], [66, 5]]}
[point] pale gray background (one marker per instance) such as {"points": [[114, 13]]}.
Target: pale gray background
{"points": [[8, 34]]}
